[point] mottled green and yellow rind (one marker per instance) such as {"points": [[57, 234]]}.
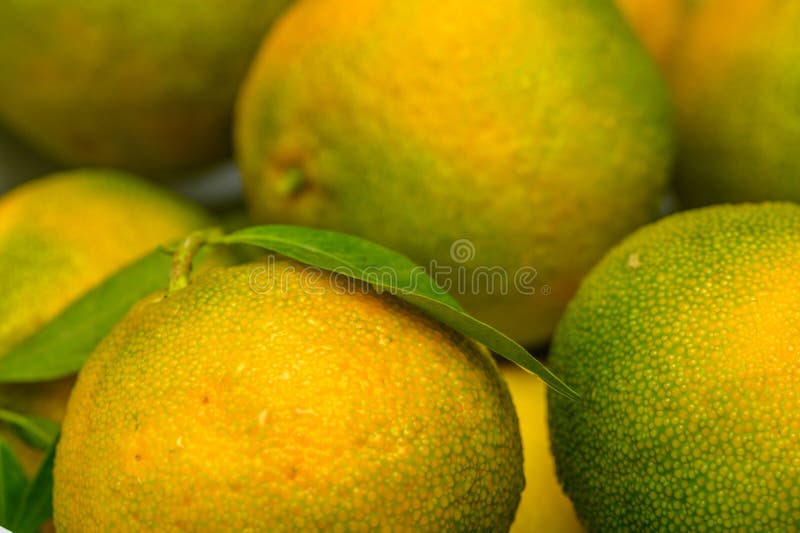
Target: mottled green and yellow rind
{"points": [[683, 343], [61, 235], [266, 397], [415, 125], [736, 79], [659, 24]]}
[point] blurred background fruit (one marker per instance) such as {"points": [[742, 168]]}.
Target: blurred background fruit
{"points": [[736, 79], [377, 416], [544, 507], [146, 86], [683, 343], [732, 66], [539, 133], [18, 162], [62, 234], [658, 23]]}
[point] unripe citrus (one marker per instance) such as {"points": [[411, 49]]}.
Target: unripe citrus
{"points": [[683, 343]]}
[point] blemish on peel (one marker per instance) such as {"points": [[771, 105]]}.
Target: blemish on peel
{"points": [[634, 261]]}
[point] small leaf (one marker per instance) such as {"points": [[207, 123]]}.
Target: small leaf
{"points": [[36, 431], [391, 272], [60, 347], [12, 484], [491, 338], [343, 254], [37, 500]]}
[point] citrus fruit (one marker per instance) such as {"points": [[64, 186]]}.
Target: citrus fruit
{"points": [[683, 344], [62, 234], [658, 23], [273, 397], [736, 78], [503, 145], [543, 506], [146, 86]]}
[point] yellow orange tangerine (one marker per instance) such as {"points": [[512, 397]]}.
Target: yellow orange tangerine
{"points": [[537, 131], [61, 235], [286, 404]]}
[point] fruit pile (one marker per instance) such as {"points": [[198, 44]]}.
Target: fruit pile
{"points": [[328, 265]]}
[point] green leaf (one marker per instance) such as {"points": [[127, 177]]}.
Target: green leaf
{"points": [[343, 254], [491, 338], [391, 272], [37, 500], [12, 484], [36, 431], [61, 347]]}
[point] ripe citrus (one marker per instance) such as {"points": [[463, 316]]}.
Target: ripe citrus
{"points": [[61, 235], [684, 345], [543, 507], [536, 130], [273, 399]]}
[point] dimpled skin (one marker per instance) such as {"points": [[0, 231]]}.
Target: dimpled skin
{"points": [[684, 344], [263, 398], [62, 234], [146, 86], [537, 130], [736, 77]]}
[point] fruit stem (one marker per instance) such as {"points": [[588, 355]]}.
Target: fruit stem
{"points": [[184, 254]]}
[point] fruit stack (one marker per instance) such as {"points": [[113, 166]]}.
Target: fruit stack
{"points": [[356, 265]]}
